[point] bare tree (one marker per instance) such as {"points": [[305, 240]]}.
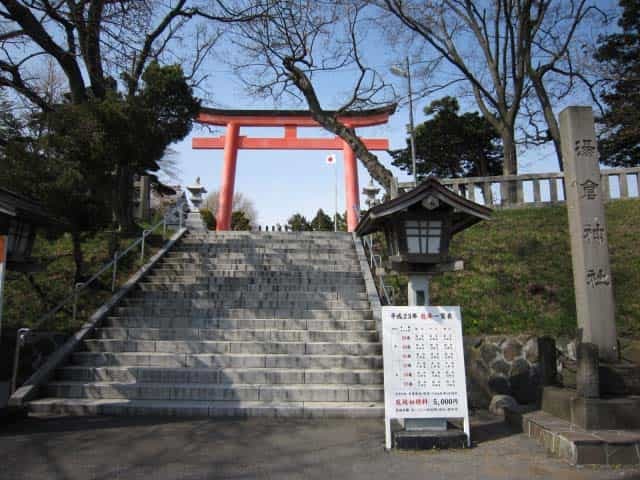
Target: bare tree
{"points": [[293, 42], [488, 44], [556, 64], [95, 42], [240, 203], [98, 45], [520, 57]]}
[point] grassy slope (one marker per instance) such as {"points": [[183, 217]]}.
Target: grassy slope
{"points": [[518, 275], [23, 306]]}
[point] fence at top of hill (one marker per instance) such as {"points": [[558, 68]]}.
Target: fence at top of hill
{"points": [[537, 189]]}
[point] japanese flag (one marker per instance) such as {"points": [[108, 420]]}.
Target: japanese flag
{"points": [[331, 159]]}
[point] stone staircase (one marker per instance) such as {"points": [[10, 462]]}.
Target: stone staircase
{"points": [[234, 324]]}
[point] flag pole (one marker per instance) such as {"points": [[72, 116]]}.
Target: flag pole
{"points": [[335, 216]]}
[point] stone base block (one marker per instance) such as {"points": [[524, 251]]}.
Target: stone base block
{"points": [[620, 378], [579, 446], [592, 413]]}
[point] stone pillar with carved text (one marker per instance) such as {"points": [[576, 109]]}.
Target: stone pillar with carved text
{"points": [[588, 229]]}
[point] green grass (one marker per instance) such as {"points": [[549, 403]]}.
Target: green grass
{"points": [[518, 275], [23, 305]]}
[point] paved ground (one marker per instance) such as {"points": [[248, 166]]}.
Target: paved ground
{"points": [[161, 448]]}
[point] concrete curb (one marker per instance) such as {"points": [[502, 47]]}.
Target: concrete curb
{"points": [[31, 387], [370, 285]]}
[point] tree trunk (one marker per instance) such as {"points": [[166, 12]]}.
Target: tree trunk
{"points": [[510, 164], [330, 122], [122, 204], [78, 257], [550, 118]]}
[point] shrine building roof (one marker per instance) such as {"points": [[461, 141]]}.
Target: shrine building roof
{"points": [[465, 212]]}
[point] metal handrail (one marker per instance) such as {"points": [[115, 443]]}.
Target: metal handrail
{"points": [[375, 262], [23, 333]]}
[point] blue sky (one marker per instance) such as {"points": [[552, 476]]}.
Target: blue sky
{"points": [[281, 183]]}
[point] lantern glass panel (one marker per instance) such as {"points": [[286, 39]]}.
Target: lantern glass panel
{"points": [[434, 245], [413, 244], [423, 236], [18, 238]]}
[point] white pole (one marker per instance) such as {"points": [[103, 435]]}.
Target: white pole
{"points": [[412, 136], [335, 217]]}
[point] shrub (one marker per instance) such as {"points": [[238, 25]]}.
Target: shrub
{"points": [[209, 219]]}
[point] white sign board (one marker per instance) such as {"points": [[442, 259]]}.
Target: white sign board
{"points": [[424, 375]]}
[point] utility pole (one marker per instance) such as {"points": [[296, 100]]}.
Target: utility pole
{"points": [[406, 73]]}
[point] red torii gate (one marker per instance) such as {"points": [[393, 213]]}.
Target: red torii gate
{"points": [[290, 120]]}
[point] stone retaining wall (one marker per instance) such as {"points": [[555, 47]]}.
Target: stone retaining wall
{"points": [[501, 365], [508, 365]]}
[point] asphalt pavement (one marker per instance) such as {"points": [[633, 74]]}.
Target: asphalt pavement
{"points": [[258, 448]]}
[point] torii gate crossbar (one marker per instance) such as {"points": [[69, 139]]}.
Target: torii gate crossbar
{"points": [[232, 141]]}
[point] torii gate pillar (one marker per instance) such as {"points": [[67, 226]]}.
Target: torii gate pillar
{"points": [[351, 187], [225, 198]]}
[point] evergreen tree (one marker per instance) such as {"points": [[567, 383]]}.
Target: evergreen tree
{"points": [[452, 145], [619, 53], [342, 222], [298, 223], [240, 221], [208, 218], [322, 222]]}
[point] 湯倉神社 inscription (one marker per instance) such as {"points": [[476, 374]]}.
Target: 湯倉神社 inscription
{"points": [[588, 229]]}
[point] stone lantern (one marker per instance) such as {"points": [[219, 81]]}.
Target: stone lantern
{"points": [[418, 227], [19, 219], [196, 192], [370, 191]]}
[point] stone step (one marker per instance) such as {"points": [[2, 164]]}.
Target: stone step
{"points": [[249, 286], [288, 277], [256, 376], [262, 247], [167, 290], [56, 406], [273, 237], [579, 446], [249, 322], [238, 324], [192, 360], [260, 268], [275, 260], [270, 237], [188, 305], [205, 392], [304, 254], [250, 283], [253, 347], [262, 313], [288, 237], [236, 335], [292, 254], [255, 294], [231, 256]]}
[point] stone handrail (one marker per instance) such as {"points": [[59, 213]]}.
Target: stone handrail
{"points": [[545, 188]]}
